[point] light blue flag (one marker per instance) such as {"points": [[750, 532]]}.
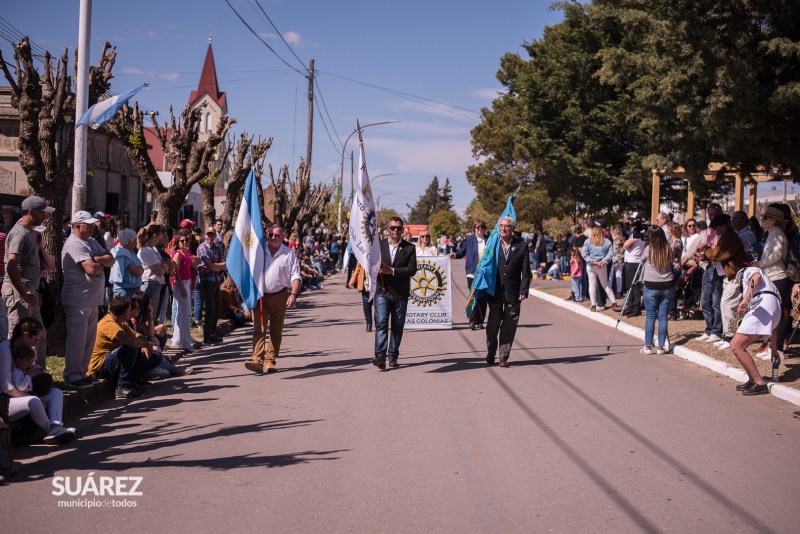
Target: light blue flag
{"points": [[486, 273], [104, 111], [245, 259]]}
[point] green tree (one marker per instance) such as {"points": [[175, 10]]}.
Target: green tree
{"points": [[446, 196], [708, 81], [428, 203], [444, 222]]}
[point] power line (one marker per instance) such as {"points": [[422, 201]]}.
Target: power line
{"points": [[324, 124], [419, 99], [325, 107], [279, 34], [262, 40]]}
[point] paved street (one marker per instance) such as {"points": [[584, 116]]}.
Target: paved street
{"points": [[571, 438]]}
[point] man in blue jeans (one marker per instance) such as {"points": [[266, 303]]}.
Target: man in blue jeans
{"points": [[398, 265], [712, 280]]}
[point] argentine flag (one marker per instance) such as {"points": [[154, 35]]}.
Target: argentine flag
{"points": [[245, 258], [104, 111]]}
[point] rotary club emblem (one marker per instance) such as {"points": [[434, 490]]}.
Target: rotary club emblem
{"points": [[428, 285]]}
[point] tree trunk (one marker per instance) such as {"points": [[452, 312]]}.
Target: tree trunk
{"points": [[209, 211]]}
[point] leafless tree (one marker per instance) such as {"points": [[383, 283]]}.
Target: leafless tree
{"points": [[246, 155], [46, 107], [187, 155]]}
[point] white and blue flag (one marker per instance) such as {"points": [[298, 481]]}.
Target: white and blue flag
{"points": [[245, 259], [364, 238], [104, 111]]}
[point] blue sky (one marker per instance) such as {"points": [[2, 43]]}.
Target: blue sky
{"points": [[445, 51]]}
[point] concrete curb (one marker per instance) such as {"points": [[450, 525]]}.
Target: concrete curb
{"points": [[777, 390]]}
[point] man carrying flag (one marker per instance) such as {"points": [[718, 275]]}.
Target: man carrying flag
{"points": [[512, 282], [500, 275]]}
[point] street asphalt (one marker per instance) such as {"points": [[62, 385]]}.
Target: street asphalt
{"points": [[571, 438]]}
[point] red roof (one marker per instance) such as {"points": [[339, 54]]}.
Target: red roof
{"points": [[208, 83], [154, 149]]}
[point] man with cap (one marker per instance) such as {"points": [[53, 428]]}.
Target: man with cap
{"points": [[83, 261], [23, 269], [212, 265]]}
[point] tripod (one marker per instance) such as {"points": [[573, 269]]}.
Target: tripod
{"points": [[625, 302]]}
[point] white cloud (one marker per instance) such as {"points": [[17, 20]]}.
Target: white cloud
{"points": [[151, 33], [445, 157], [489, 94], [267, 35], [294, 38], [438, 110], [140, 72]]}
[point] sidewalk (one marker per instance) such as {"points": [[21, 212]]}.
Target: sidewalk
{"points": [[780, 391]]}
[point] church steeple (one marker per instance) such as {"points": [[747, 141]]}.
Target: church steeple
{"points": [[208, 82]]}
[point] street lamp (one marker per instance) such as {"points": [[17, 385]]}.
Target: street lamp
{"points": [[358, 129]]}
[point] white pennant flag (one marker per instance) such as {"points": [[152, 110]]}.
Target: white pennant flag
{"points": [[364, 239]]}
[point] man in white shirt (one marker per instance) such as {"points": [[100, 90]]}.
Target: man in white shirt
{"points": [[281, 272], [739, 221]]}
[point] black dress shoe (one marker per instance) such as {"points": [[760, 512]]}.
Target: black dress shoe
{"points": [[380, 363], [755, 389], [490, 359], [746, 385], [393, 362], [473, 326], [369, 328]]}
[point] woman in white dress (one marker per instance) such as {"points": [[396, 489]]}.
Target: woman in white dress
{"points": [[761, 305], [424, 246]]}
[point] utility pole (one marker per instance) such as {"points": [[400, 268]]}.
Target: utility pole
{"points": [[81, 105], [310, 111]]}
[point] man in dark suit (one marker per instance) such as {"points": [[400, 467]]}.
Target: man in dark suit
{"points": [[398, 265], [472, 249], [511, 288]]}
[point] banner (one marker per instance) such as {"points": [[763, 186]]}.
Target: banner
{"points": [[363, 230], [430, 305]]}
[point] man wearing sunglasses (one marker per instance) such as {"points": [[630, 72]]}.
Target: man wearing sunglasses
{"points": [[281, 272], [473, 248], [398, 265]]}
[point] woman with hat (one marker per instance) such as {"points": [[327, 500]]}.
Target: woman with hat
{"points": [[772, 263], [424, 246]]}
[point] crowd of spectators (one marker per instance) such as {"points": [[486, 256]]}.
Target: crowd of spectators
{"points": [[127, 295]]}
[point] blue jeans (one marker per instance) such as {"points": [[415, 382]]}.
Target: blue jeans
{"points": [[563, 264], [710, 300], [534, 261], [198, 301], [387, 308], [153, 289], [124, 291], [576, 289], [128, 363], [656, 304]]}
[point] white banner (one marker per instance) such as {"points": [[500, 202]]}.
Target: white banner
{"points": [[429, 305]]}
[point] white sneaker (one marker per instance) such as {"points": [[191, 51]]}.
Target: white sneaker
{"points": [[646, 350], [718, 343], [781, 355], [722, 346], [704, 337], [662, 350], [712, 338], [765, 355], [59, 435]]}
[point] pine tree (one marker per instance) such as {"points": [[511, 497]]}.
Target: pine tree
{"points": [[446, 197], [428, 203]]}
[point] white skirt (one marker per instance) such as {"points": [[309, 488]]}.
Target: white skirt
{"points": [[762, 317]]}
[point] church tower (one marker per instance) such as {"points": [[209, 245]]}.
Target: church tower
{"points": [[212, 104]]}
